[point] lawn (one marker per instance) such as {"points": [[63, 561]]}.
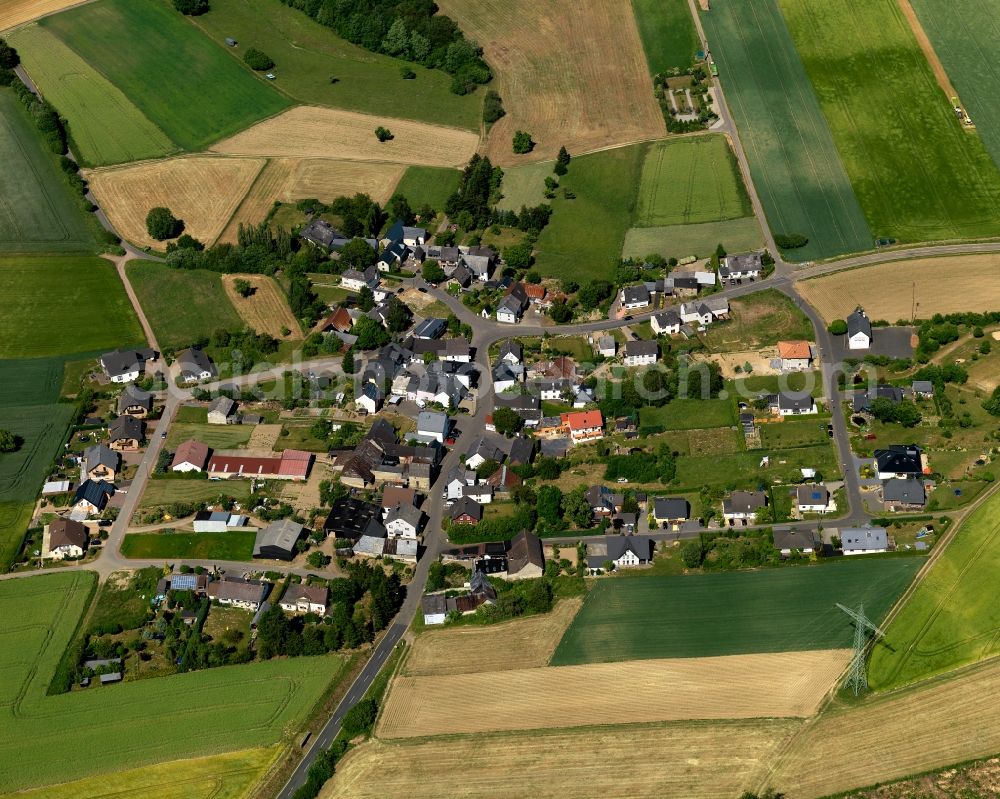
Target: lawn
{"points": [[692, 180], [952, 617], [680, 241], [232, 545], [38, 211], [106, 127], [702, 615], [794, 433], [181, 80], [40, 290], [524, 185], [749, 386], [164, 491], [793, 158], [760, 320], [428, 185], [182, 305], [308, 56], [964, 36], [667, 32], [689, 414], [918, 175], [584, 238], [217, 436], [194, 712], [742, 470]]}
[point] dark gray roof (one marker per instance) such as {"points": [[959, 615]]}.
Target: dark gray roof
{"points": [[794, 401], [634, 294], [744, 502], [907, 492], [863, 399], [193, 362], [125, 427], [899, 459], [134, 396], [786, 538], [522, 449], [222, 405], [95, 492], [634, 349], [281, 535], [671, 508], [429, 328], [864, 538], [466, 506], [511, 347], [923, 387], [744, 262], [320, 232], [121, 362], [668, 318], [858, 322], [639, 545], [810, 494], [100, 455]]}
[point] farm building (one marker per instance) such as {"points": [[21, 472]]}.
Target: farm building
{"points": [[292, 464], [222, 410], [277, 541], [525, 558], [352, 518], [217, 521]]}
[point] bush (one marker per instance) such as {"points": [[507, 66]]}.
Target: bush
{"points": [[191, 7], [257, 59], [407, 74], [838, 327], [523, 143], [383, 134], [162, 224], [790, 241], [492, 107], [360, 718]]}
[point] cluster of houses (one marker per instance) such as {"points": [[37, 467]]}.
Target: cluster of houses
{"points": [[127, 366], [466, 493], [392, 527], [247, 594], [900, 470]]}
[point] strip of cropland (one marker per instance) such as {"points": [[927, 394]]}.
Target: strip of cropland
{"points": [[231, 545], [38, 212], [793, 159], [772, 610], [187, 85], [965, 34], [668, 34], [105, 125], [951, 619], [314, 65], [700, 240], [198, 713], [918, 175]]}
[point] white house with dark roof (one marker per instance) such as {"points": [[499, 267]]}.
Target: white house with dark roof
{"points": [[124, 366], [795, 404], [743, 505], [354, 280], [222, 410], [634, 297], [641, 353], [859, 330], [666, 323], [403, 521], [743, 266], [370, 398], [812, 498], [863, 540], [195, 365]]}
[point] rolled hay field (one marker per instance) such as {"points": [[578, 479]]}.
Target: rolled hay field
{"points": [[518, 644], [558, 78], [18, 12], [943, 722], [204, 191], [323, 179], [266, 310], [776, 685], [311, 132], [699, 760], [949, 284]]}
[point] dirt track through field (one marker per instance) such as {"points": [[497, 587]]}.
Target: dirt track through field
{"points": [[928, 50], [691, 760], [568, 76], [887, 291], [519, 644], [266, 310], [774, 685], [310, 132], [203, 191]]}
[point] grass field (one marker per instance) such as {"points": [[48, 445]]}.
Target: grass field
{"points": [[524, 185], [40, 289], [794, 433], [776, 685], [963, 33], [228, 776], [182, 305], [308, 55], [183, 82], [557, 76], [38, 212], [680, 241], [793, 159], [760, 320], [688, 181], [203, 191], [950, 619], [315, 132], [217, 436], [17, 12], [164, 492], [194, 714], [704, 615], [584, 238], [106, 127], [917, 174], [971, 286], [668, 35], [690, 414], [232, 545], [689, 759], [428, 185], [743, 469], [266, 310]]}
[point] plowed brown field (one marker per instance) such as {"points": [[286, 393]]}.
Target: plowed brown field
{"points": [[776, 685], [688, 759], [204, 191], [310, 132], [266, 310], [519, 644], [569, 75]]}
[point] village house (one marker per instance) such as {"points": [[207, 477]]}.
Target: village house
{"points": [[124, 366], [510, 351], [222, 410], [125, 434], [864, 540], [684, 285], [194, 365], [794, 403], [907, 494], [191, 456], [91, 497], [478, 492], [859, 330], [742, 506], [101, 463], [506, 376], [66, 539], [795, 356], [339, 320], [583, 426], [300, 598], [525, 558], [135, 402], [466, 511], [863, 399], [277, 541], [354, 280], [628, 551], [512, 307], [482, 450], [404, 521], [607, 346], [788, 541], [812, 498], [922, 388], [666, 323], [433, 425], [641, 353], [245, 594], [670, 511], [634, 297], [736, 268], [899, 461], [370, 399]]}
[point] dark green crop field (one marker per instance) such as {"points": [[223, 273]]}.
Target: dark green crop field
{"points": [[773, 610], [667, 32], [232, 545]]}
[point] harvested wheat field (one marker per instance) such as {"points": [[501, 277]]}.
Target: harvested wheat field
{"points": [[773, 685], [204, 191], [266, 310], [886, 291], [917, 729], [323, 179], [310, 132], [558, 78], [518, 644], [698, 760], [17, 12]]}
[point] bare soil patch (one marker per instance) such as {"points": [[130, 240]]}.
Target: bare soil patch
{"points": [[519, 644], [264, 437], [204, 191], [310, 132], [559, 78], [773, 685], [266, 310], [888, 291], [759, 360], [640, 762]]}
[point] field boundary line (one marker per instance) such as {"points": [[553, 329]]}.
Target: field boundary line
{"points": [[35, 20]]}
